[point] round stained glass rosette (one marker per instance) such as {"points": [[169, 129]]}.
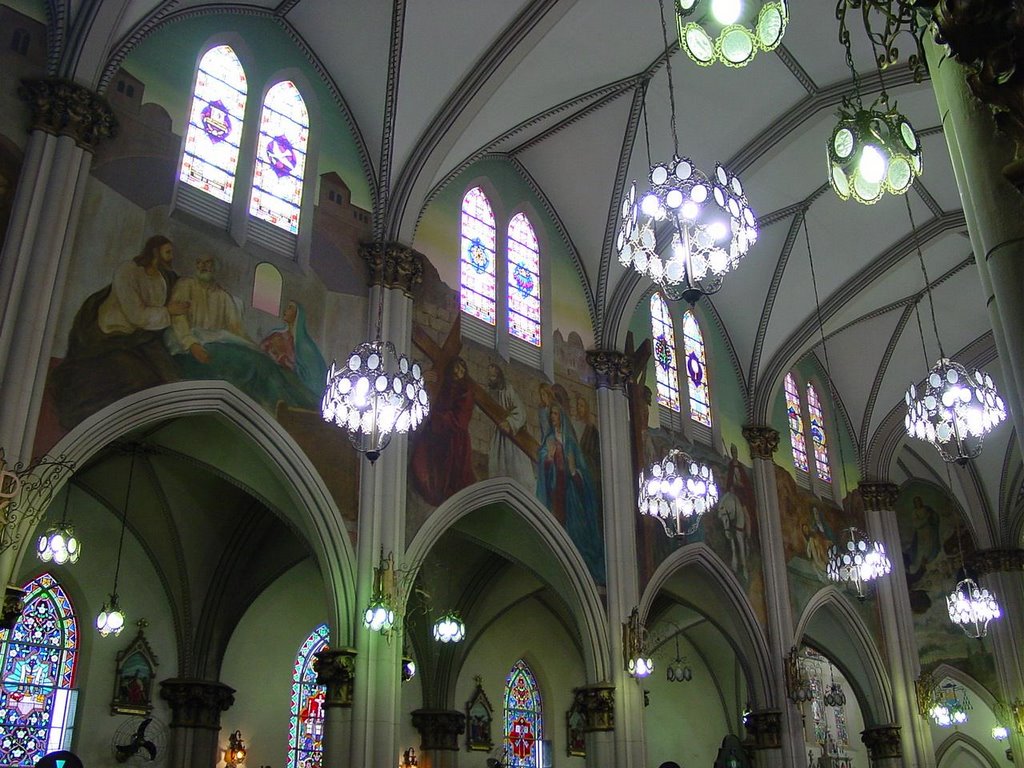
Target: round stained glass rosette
{"points": [[971, 607], [730, 31], [677, 491], [954, 410], [858, 561]]}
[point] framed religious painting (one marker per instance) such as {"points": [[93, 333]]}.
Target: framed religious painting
{"points": [[479, 716], [575, 729], [134, 676]]}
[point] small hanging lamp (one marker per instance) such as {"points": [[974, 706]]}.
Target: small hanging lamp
{"points": [[111, 618], [59, 544]]}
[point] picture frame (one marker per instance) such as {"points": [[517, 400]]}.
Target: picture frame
{"points": [[575, 729], [479, 717], [134, 675]]}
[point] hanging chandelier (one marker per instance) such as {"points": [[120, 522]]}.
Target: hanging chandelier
{"points": [[953, 410], [858, 561], [639, 663], [972, 607], [111, 618], [449, 628], [731, 32], [677, 490], [59, 544], [380, 613]]}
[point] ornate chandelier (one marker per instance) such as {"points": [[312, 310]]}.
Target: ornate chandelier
{"points": [[972, 607], [953, 410], [59, 544], [677, 491], [730, 31], [639, 663], [950, 705], [858, 561], [380, 613], [449, 628]]}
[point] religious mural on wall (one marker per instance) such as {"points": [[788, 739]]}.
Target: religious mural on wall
{"points": [[933, 562]]}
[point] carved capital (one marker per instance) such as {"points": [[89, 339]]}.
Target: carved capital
{"points": [[196, 703], [882, 741], [439, 728], [13, 605], [612, 368], [393, 265], [65, 108], [985, 561], [763, 441], [597, 702], [764, 728], [336, 669], [879, 496]]}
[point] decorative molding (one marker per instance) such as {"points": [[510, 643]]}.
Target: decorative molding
{"points": [[765, 728], [763, 441], [882, 741], [65, 108], [611, 368], [336, 669], [13, 605], [879, 495], [598, 705], [196, 703], [393, 265], [439, 728], [985, 561]]}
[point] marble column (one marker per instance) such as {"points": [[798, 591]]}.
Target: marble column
{"points": [[764, 736], [619, 485], [67, 122], [394, 271], [439, 731], [336, 670], [196, 706], [763, 441], [898, 626], [883, 745]]}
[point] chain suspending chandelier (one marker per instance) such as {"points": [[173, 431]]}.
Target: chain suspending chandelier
{"points": [[731, 32], [677, 490]]}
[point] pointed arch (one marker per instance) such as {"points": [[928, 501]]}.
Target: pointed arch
{"points": [[524, 716], [280, 168], [663, 336], [477, 273], [524, 283], [819, 439], [794, 413], [306, 724], [696, 365], [958, 746]]}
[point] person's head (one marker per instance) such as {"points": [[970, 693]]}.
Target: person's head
{"points": [[291, 311], [555, 416], [733, 451], [806, 530], [157, 252], [205, 268], [918, 502], [547, 397], [582, 407], [561, 395], [495, 376], [457, 369]]}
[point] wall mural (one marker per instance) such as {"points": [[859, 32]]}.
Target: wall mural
{"points": [[931, 555]]}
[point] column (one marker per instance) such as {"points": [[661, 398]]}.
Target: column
{"points": [[439, 731], [195, 719], [763, 442], [898, 626], [883, 744], [335, 670], [619, 484], [68, 121], [764, 736], [394, 270]]}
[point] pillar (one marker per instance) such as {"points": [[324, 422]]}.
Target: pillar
{"points": [[901, 653], [883, 745], [335, 670], [763, 442], [394, 270], [196, 706], [67, 122], [439, 731], [619, 484]]}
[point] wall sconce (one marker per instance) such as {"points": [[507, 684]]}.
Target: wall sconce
{"points": [[798, 686], [380, 613], [408, 759], [234, 755], [634, 647]]}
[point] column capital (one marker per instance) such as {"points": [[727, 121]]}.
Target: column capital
{"points": [[763, 440], [882, 741], [196, 703], [612, 368], [393, 265], [985, 561], [878, 495], [336, 669], [597, 703], [439, 728], [765, 728], [65, 108]]}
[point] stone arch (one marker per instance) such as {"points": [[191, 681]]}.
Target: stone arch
{"points": [[972, 684], [719, 587], [959, 745], [309, 508], [831, 624], [551, 554]]}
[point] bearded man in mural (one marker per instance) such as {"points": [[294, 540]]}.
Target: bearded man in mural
{"points": [[115, 346], [505, 458]]}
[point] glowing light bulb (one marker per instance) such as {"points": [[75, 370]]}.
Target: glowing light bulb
{"points": [[726, 11], [872, 164]]}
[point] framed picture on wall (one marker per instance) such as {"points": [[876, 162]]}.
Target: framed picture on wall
{"points": [[134, 676], [575, 722], [479, 715]]}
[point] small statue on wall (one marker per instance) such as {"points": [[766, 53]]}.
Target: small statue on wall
{"points": [[134, 675], [478, 719]]}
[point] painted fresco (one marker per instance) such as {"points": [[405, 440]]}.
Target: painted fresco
{"points": [[492, 418], [927, 520]]}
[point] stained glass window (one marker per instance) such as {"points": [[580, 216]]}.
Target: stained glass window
{"points": [[215, 124], [818, 439], [842, 733], [281, 158], [524, 719], [796, 423], [305, 736], [39, 656], [664, 339], [818, 710], [523, 280], [696, 370], [477, 271]]}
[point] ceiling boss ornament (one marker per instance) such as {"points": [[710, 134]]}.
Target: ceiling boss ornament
{"points": [[731, 32]]}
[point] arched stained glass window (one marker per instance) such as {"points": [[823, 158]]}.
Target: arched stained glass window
{"points": [[796, 423], [696, 370], [477, 275], [39, 656], [664, 339], [215, 124], [523, 280], [281, 158], [524, 717], [818, 439], [306, 734]]}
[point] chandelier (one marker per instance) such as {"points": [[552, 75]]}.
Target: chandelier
{"points": [[639, 663], [950, 705], [380, 613], [730, 31], [972, 607], [408, 671], [678, 670], [857, 562], [834, 696], [110, 620], [449, 628], [59, 544], [798, 682], [677, 491]]}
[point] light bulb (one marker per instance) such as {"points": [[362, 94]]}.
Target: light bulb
{"points": [[726, 11], [872, 164]]}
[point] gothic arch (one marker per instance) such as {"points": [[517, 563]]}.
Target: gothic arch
{"points": [[960, 744], [972, 684]]}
